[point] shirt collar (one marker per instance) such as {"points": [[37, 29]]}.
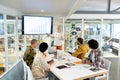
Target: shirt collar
{"points": [[96, 50]]}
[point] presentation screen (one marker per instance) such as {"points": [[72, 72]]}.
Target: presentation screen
{"points": [[37, 25]]}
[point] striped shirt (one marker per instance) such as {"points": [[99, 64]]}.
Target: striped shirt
{"points": [[98, 58]]}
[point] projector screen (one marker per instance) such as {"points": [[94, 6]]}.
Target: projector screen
{"points": [[37, 25]]}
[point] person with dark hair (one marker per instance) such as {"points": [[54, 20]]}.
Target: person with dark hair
{"points": [[30, 53], [41, 64], [43, 47], [95, 58], [93, 44], [82, 49]]}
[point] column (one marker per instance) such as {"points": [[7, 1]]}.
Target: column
{"points": [[63, 35], [6, 42], [25, 44], [83, 28], [101, 33], [119, 45], [16, 39]]}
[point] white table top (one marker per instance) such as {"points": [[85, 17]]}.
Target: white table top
{"points": [[77, 72]]}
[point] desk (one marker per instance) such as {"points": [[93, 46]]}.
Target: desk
{"points": [[77, 72]]}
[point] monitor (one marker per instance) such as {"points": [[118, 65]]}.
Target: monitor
{"points": [[37, 25]]}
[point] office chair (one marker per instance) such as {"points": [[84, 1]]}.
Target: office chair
{"points": [[107, 66]]}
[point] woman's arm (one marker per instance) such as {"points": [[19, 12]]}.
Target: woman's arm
{"points": [[77, 52], [50, 62], [88, 59], [52, 36]]}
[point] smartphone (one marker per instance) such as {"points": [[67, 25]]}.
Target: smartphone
{"points": [[61, 67]]}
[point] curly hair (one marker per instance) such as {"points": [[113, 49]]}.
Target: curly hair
{"points": [[93, 44]]}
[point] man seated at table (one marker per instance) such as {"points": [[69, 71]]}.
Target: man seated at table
{"points": [[42, 63], [82, 49], [95, 58], [30, 53]]}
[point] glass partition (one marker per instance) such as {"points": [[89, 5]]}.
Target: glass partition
{"points": [[73, 30], [106, 32], [20, 38], [11, 21], [11, 24], [92, 29], [111, 34], [2, 46]]}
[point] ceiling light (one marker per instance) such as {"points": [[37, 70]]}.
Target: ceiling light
{"points": [[42, 11]]}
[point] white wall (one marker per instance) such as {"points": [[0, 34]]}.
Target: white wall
{"points": [[94, 16]]}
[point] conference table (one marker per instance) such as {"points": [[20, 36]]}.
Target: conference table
{"points": [[78, 71]]}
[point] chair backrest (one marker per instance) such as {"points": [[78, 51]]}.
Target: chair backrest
{"points": [[28, 75], [16, 72], [107, 64]]}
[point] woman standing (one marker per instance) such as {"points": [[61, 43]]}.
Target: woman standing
{"points": [[58, 38]]}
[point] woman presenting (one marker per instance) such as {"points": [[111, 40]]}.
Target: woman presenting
{"points": [[58, 39]]}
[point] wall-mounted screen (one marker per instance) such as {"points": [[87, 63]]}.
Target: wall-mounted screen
{"points": [[37, 25]]}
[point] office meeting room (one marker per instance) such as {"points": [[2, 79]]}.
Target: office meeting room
{"points": [[59, 39]]}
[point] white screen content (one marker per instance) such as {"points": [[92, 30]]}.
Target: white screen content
{"points": [[37, 25]]}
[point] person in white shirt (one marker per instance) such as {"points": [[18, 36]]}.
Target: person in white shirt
{"points": [[58, 39], [41, 64]]}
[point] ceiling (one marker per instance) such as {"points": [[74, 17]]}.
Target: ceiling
{"points": [[94, 5], [63, 8], [44, 7], [100, 6], [92, 21]]}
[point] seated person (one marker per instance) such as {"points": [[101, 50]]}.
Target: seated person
{"points": [[30, 53], [82, 49], [42, 62], [95, 58]]}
